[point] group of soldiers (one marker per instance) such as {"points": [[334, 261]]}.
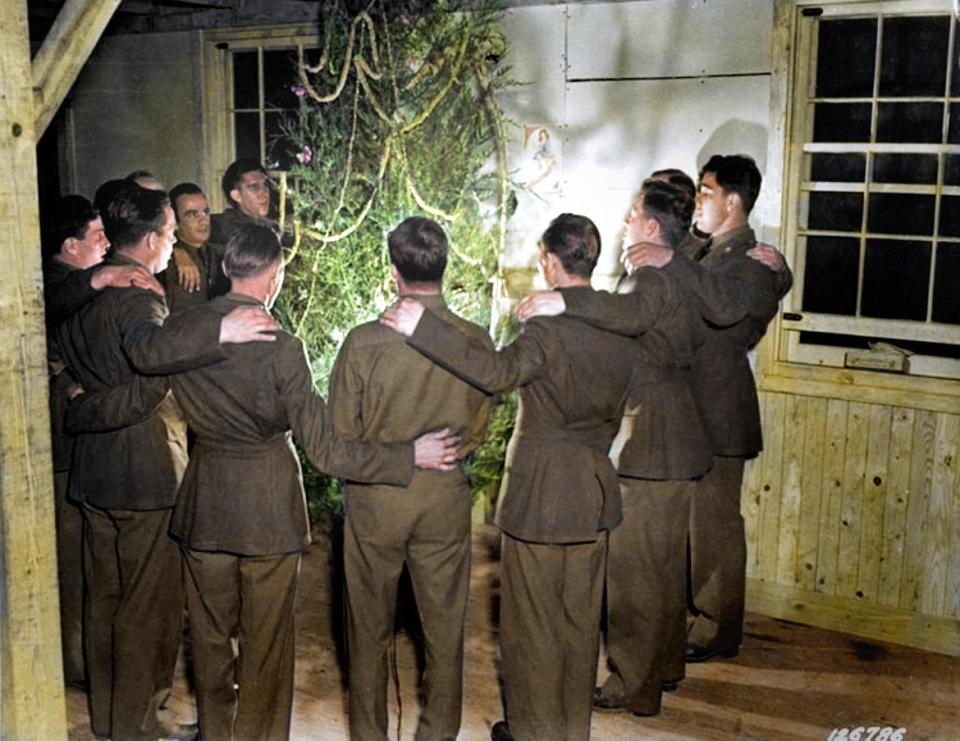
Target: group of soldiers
{"points": [[637, 411]]}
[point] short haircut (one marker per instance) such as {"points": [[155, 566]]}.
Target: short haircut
{"points": [[677, 178], [418, 249], [235, 172], [133, 213], [576, 241], [137, 174], [251, 250], [183, 189], [71, 217], [736, 173], [670, 206]]}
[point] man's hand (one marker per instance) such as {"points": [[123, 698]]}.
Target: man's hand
{"points": [[645, 255], [124, 276], [403, 316], [767, 255], [438, 450], [248, 324], [540, 303], [187, 271]]}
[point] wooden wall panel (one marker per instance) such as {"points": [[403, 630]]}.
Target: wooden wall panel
{"points": [[769, 515], [874, 503], [811, 493], [895, 507], [831, 490], [858, 503]]}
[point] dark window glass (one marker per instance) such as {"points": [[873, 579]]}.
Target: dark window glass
{"points": [[841, 122], [895, 279], [838, 168], [951, 169], [247, 135], [914, 55], [280, 149], [846, 54], [900, 213], [905, 168], [830, 276], [946, 284], [950, 218], [245, 80], [953, 131], [910, 122], [835, 211], [279, 76]]}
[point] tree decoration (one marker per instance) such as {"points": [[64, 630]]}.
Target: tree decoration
{"points": [[398, 116]]}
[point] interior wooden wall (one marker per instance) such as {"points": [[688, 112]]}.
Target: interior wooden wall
{"points": [[852, 515]]}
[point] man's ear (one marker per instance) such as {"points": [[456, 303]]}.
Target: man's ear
{"points": [[69, 246], [734, 201], [235, 196]]}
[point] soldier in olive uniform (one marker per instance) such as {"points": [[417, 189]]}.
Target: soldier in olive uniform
{"points": [[241, 514], [383, 391], [560, 497], [126, 479]]}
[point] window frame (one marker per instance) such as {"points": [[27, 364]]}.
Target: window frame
{"points": [[784, 364], [219, 136]]}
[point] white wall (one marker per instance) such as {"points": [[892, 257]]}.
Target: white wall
{"points": [[628, 88]]}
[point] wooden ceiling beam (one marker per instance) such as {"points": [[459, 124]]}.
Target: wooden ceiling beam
{"points": [[65, 50]]}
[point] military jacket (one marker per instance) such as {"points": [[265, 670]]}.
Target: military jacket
{"points": [[385, 391], [722, 380], [560, 485], [243, 489], [120, 333]]}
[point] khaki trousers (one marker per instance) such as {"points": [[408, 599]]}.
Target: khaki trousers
{"points": [[133, 615], [646, 591], [551, 597], [718, 556], [429, 531], [70, 574], [250, 599]]}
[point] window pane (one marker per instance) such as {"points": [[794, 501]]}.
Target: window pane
{"points": [[949, 216], [835, 211], [246, 129], [910, 122], [895, 279], [905, 168], [830, 276], [279, 75], [900, 213], [838, 168], [280, 150], [951, 170], [946, 284], [846, 54], [953, 131], [914, 55], [245, 80], [841, 122]]}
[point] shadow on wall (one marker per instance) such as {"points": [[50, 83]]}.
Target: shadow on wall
{"points": [[736, 137]]}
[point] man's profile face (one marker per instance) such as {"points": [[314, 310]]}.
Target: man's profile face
{"points": [[193, 222], [712, 204], [164, 239], [89, 251], [252, 194]]}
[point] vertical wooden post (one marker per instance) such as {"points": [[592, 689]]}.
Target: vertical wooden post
{"points": [[31, 674]]}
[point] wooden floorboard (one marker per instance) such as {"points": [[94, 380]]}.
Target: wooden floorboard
{"points": [[789, 681]]}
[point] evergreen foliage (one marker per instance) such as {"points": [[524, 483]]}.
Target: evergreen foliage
{"points": [[397, 118]]}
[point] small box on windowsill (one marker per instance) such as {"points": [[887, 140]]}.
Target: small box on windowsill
{"points": [[888, 360]]}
